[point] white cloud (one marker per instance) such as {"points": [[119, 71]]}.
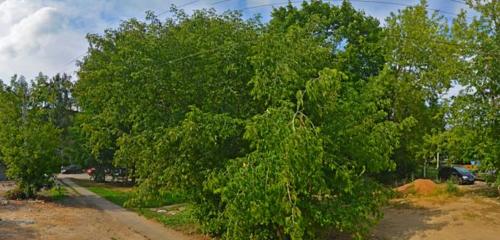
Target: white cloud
{"points": [[45, 35], [27, 35], [34, 38]]}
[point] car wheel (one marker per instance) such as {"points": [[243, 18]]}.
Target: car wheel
{"points": [[455, 179]]}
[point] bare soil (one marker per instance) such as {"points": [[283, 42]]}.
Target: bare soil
{"points": [[471, 217], [419, 187], [67, 219], [434, 217]]}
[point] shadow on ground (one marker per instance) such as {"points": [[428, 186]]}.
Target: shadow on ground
{"points": [[391, 227], [16, 229], [416, 219]]}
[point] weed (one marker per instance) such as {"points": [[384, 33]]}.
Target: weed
{"points": [[183, 220], [57, 193], [15, 194], [451, 188]]}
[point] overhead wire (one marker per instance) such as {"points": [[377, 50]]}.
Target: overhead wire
{"points": [[296, 1], [284, 3], [159, 14], [219, 2], [458, 1]]}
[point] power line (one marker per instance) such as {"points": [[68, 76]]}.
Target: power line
{"points": [[360, 1], [159, 14], [458, 1], [189, 3], [402, 5], [269, 4], [284, 3], [72, 61], [180, 6], [192, 2], [221, 1]]}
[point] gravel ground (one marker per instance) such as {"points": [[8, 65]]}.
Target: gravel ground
{"points": [[470, 217], [68, 219]]}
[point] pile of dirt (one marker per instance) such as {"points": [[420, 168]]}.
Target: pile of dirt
{"points": [[418, 187]]}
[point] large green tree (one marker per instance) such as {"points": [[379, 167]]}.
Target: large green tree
{"points": [[142, 77], [272, 131], [291, 108]]}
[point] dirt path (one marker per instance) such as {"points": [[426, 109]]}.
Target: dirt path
{"points": [[147, 228], [82, 216], [37, 220], [468, 217]]}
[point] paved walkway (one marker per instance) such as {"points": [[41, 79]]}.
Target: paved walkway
{"points": [[149, 229]]}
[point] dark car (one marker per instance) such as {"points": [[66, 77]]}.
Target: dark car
{"points": [[71, 169], [456, 174]]}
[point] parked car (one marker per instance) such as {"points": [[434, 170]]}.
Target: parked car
{"points": [[90, 171], [119, 174], [456, 174], [71, 169]]}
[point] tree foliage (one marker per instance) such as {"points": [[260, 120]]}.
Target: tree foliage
{"points": [[475, 111], [36, 130], [422, 63], [28, 141], [278, 130]]}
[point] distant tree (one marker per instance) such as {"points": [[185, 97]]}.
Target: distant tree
{"points": [[475, 113], [422, 61], [55, 95], [28, 141]]}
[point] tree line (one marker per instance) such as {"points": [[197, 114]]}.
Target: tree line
{"points": [[275, 130]]}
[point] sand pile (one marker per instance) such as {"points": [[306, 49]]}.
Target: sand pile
{"points": [[418, 187]]}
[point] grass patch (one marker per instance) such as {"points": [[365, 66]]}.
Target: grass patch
{"points": [[447, 190], [451, 188], [111, 192], [56, 193], [182, 220], [114, 196], [119, 194]]}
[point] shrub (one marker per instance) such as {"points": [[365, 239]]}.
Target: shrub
{"points": [[15, 194], [451, 188]]}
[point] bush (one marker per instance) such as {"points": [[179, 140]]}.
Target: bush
{"points": [[451, 188], [15, 194], [28, 140]]}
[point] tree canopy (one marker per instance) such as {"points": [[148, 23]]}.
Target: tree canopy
{"points": [[276, 130]]}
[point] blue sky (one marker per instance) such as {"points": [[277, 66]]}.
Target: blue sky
{"points": [[48, 35]]}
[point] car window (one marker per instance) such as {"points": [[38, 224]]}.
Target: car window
{"points": [[446, 170], [462, 171]]}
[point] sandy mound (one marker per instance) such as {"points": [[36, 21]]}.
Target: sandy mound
{"points": [[418, 187]]}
